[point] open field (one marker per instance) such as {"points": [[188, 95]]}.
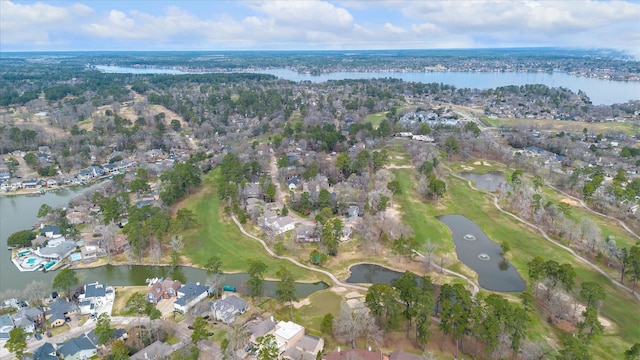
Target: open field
{"points": [[376, 118], [123, 293], [562, 125]]}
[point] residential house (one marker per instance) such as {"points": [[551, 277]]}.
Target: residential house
{"points": [[306, 233], [360, 354], [50, 231], [118, 334], [163, 290], [45, 352], [281, 224], [5, 175], [293, 183], [56, 249], [261, 327], [352, 211], [59, 310], [226, 309], [30, 184], [84, 175], [6, 325], [75, 217], [401, 355], [189, 295], [78, 348], [89, 253], [28, 318], [156, 351], [52, 182], [287, 334], [307, 348], [96, 171], [252, 191], [95, 295]]}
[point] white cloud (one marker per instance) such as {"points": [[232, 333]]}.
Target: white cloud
{"points": [[394, 29]]}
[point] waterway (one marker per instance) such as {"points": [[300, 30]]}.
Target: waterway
{"points": [[19, 212], [601, 92], [372, 274], [476, 250]]}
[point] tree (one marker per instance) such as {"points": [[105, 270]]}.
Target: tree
{"points": [[590, 326], [592, 292], [267, 347], [104, 331], [44, 210], [536, 270], [505, 248], [408, 291], [437, 188], [423, 308], [17, 342], [65, 280], [35, 291], [516, 177], [119, 351], [451, 146], [213, 265], [21, 238], [395, 187], [326, 326], [330, 235], [256, 277], [633, 353], [187, 218], [574, 349], [381, 301], [351, 324], [199, 330], [176, 244], [286, 288]]}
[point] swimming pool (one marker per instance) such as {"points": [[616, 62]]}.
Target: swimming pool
{"points": [[49, 265], [24, 252], [30, 262], [76, 256]]}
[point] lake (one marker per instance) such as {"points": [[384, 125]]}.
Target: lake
{"points": [[477, 251], [601, 92], [491, 181], [19, 212], [372, 274]]}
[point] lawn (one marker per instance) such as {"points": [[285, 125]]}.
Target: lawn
{"points": [[561, 125], [376, 118], [217, 235], [123, 293]]}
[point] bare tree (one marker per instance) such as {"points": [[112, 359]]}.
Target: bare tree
{"points": [[429, 248], [36, 291], [352, 323]]}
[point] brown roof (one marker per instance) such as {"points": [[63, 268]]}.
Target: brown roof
{"points": [[360, 354]]}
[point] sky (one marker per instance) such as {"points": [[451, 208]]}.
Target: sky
{"points": [[317, 25]]}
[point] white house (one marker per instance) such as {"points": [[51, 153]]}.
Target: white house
{"points": [[281, 224], [78, 348]]}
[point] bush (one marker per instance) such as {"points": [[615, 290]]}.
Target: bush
{"points": [[21, 238]]}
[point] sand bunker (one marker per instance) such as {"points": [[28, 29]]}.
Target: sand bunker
{"points": [[570, 202], [301, 303], [353, 295]]}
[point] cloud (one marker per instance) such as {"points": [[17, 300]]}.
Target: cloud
{"points": [[318, 24], [35, 22]]}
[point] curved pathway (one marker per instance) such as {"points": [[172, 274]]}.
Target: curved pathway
{"points": [[586, 207], [475, 286], [544, 234], [295, 262]]}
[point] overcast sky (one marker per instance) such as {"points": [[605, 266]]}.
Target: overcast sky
{"points": [[317, 25]]}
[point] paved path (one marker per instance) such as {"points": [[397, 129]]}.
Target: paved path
{"points": [[544, 234], [475, 286], [266, 247]]}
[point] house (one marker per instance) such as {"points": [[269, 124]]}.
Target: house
{"points": [[95, 295], [118, 334], [163, 290], [401, 355], [84, 175], [259, 328], [96, 171], [287, 334], [28, 318], [45, 352], [281, 224], [360, 354], [307, 348], [75, 217], [56, 249], [353, 211], [252, 191], [6, 325], [5, 175], [226, 309], [189, 295], [156, 351], [52, 182], [77, 348], [30, 184], [50, 231], [59, 310], [293, 183], [306, 233]]}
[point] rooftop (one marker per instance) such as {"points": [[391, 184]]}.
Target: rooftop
{"points": [[287, 330]]}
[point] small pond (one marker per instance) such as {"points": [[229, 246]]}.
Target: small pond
{"points": [[491, 181], [476, 250], [372, 273]]}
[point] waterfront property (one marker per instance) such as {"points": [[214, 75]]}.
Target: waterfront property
{"points": [[227, 309], [189, 295], [57, 249]]}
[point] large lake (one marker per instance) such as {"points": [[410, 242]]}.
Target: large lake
{"points": [[601, 92], [19, 212]]}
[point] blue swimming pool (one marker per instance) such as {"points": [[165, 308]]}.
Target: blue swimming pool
{"points": [[76, 256], [24, 252], [49, 265], [31, 261]]}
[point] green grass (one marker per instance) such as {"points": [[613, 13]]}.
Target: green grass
{"points": [[310, 316], [217, 235], [376, 118], [525, 244], [560, 125]]}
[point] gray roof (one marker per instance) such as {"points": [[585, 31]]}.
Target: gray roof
{"points": [[75, 345], [308, 342], [263, 327], [94, 290], [59, 308], [55, 229], [5, 320], [190, 290], [401, 355], [28, 312], [45, 352], [229, 307], [61, 250], [157, 350]]}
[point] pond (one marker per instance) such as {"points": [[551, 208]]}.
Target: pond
{"points": [[491, 181], [476, 250], [371, 274]]}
